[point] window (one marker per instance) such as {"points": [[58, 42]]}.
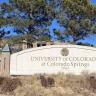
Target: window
{"points": [[38, 45], [29, 45], [43, 44]]}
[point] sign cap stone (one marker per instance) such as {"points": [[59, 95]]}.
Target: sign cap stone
{"points": [[6, 48]]}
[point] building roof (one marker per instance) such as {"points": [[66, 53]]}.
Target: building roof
{"points": [[6, 48]]}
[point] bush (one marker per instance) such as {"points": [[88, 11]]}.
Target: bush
{"points": [[47, 81], [57, 85], [1, 80], [9, 85]]}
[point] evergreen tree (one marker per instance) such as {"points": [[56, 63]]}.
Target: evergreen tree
{"points": [[28, 17], [78, 18], [32, 18]]}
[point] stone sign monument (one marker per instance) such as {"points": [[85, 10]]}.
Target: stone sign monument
{"points": [[53, 59]]}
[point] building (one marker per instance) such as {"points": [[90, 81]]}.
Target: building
{"points": [[25, 45]]}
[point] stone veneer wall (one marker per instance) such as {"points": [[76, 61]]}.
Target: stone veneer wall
{"points": [[0, 62], [5, 64], [0, 59]]}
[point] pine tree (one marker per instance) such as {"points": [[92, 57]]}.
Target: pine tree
{"points": [[32, 18], [78, 18], [28, 17]]}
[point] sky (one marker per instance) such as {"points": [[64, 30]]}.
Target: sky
{"points": [[3, 1], [92, 1], [90, 39]]}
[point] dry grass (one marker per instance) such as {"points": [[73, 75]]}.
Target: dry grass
{"points": [[65, 85]]}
